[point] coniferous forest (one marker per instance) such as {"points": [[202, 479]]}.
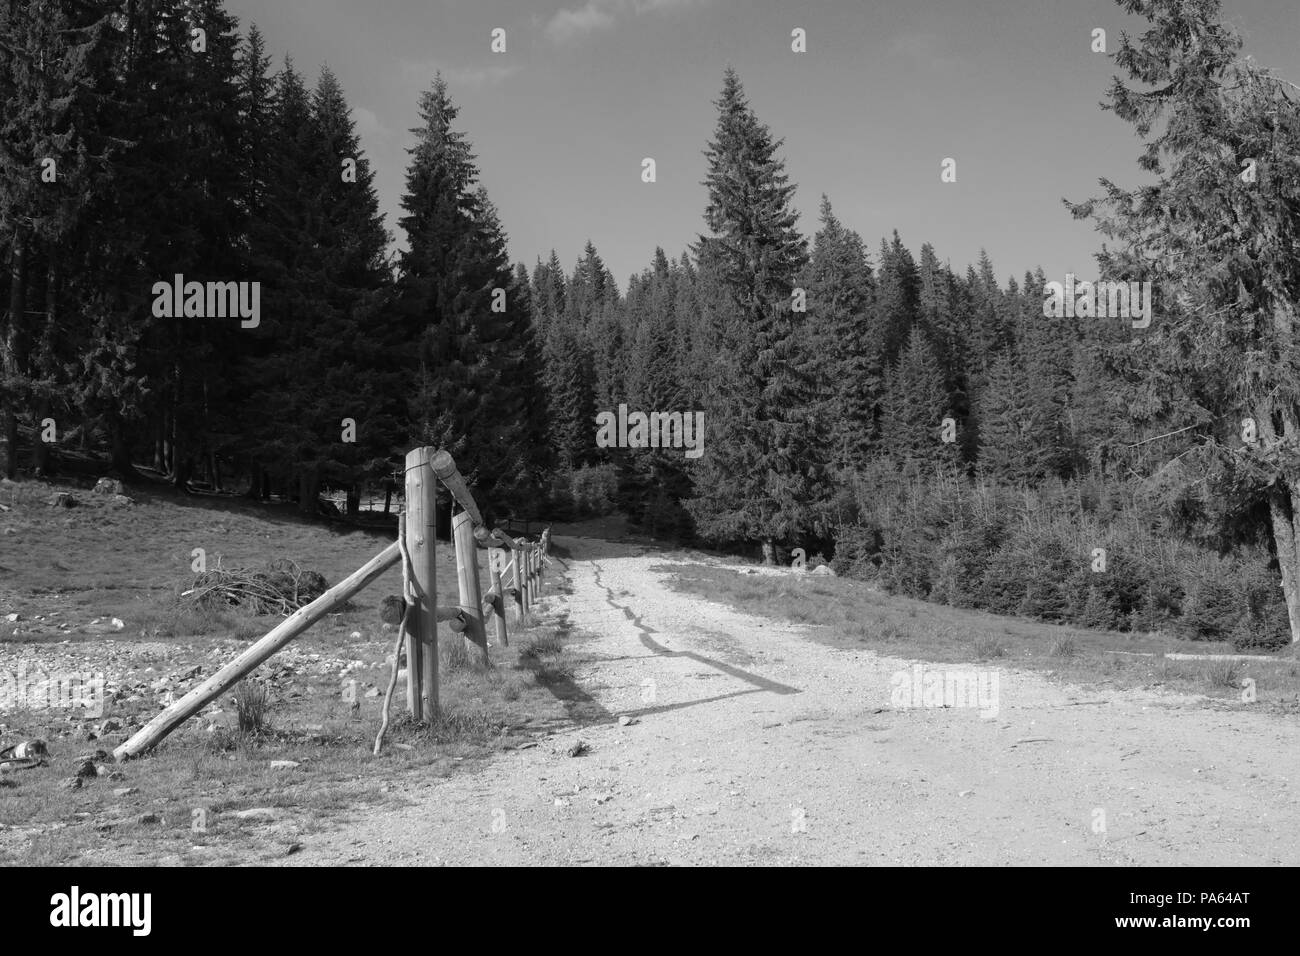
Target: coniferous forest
{"points": [[925, 424]]}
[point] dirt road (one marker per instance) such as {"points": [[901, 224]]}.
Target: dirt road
{"points": [[753, 744]]}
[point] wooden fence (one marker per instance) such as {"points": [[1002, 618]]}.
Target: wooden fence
{"points": [[515, 577]]}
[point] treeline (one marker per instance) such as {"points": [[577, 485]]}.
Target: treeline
{"points": [[930, 426], [148, 140], [945, 432]]}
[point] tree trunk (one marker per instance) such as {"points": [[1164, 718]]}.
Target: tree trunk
{"points": [[121, 453], [388, 496], [1286, 538], [181, 473], [42, 453], [11, 348], [254, 481], [168, 451], [308, 489], [354, 500], [1279, 425], [769, 551]]}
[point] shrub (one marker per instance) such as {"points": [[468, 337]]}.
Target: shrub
{"points": [[594, 490]]}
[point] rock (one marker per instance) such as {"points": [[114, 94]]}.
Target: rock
{"points": [[283, 764], [354, 636], [109, 726], [87, 769], [578, 749], [102, 770], [145, 819], [93, 757], [824, 569], [12, 618], [108, 486], [372, 693], [121, 501], [30, 749], [256, 813], [70, 783], [124, 791], [61, 499], [626, 721], [292, 848]]}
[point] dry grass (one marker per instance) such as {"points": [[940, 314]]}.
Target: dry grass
{"points": [[847, 613], [133, 564]]}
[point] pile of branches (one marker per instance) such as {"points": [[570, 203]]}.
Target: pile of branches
{"points": [[280, 589]]}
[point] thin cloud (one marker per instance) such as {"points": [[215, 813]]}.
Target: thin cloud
{"points": [[569, 25], [369, 125], [576, 23], [474, 77]]}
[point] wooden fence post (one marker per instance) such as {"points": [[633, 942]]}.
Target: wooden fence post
{"points": [[499, 598], [529, 595], [516, 584], [471, 598], [517, 579], [422, 643]]}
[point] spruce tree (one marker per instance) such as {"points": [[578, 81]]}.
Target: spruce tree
{"points": [[759, 475], [914, 408], [841, 290], [453, 294], [1227, 345], [1006, 420]]}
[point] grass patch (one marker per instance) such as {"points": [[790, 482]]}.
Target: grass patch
{"points": [[846, 613], [251, 700]]}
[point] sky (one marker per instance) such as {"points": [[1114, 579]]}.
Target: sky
{"points": [[886, 91]]}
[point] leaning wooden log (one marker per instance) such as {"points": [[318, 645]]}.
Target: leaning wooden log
{"points": [[444, 467], [497, 538], [243, 665]]}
